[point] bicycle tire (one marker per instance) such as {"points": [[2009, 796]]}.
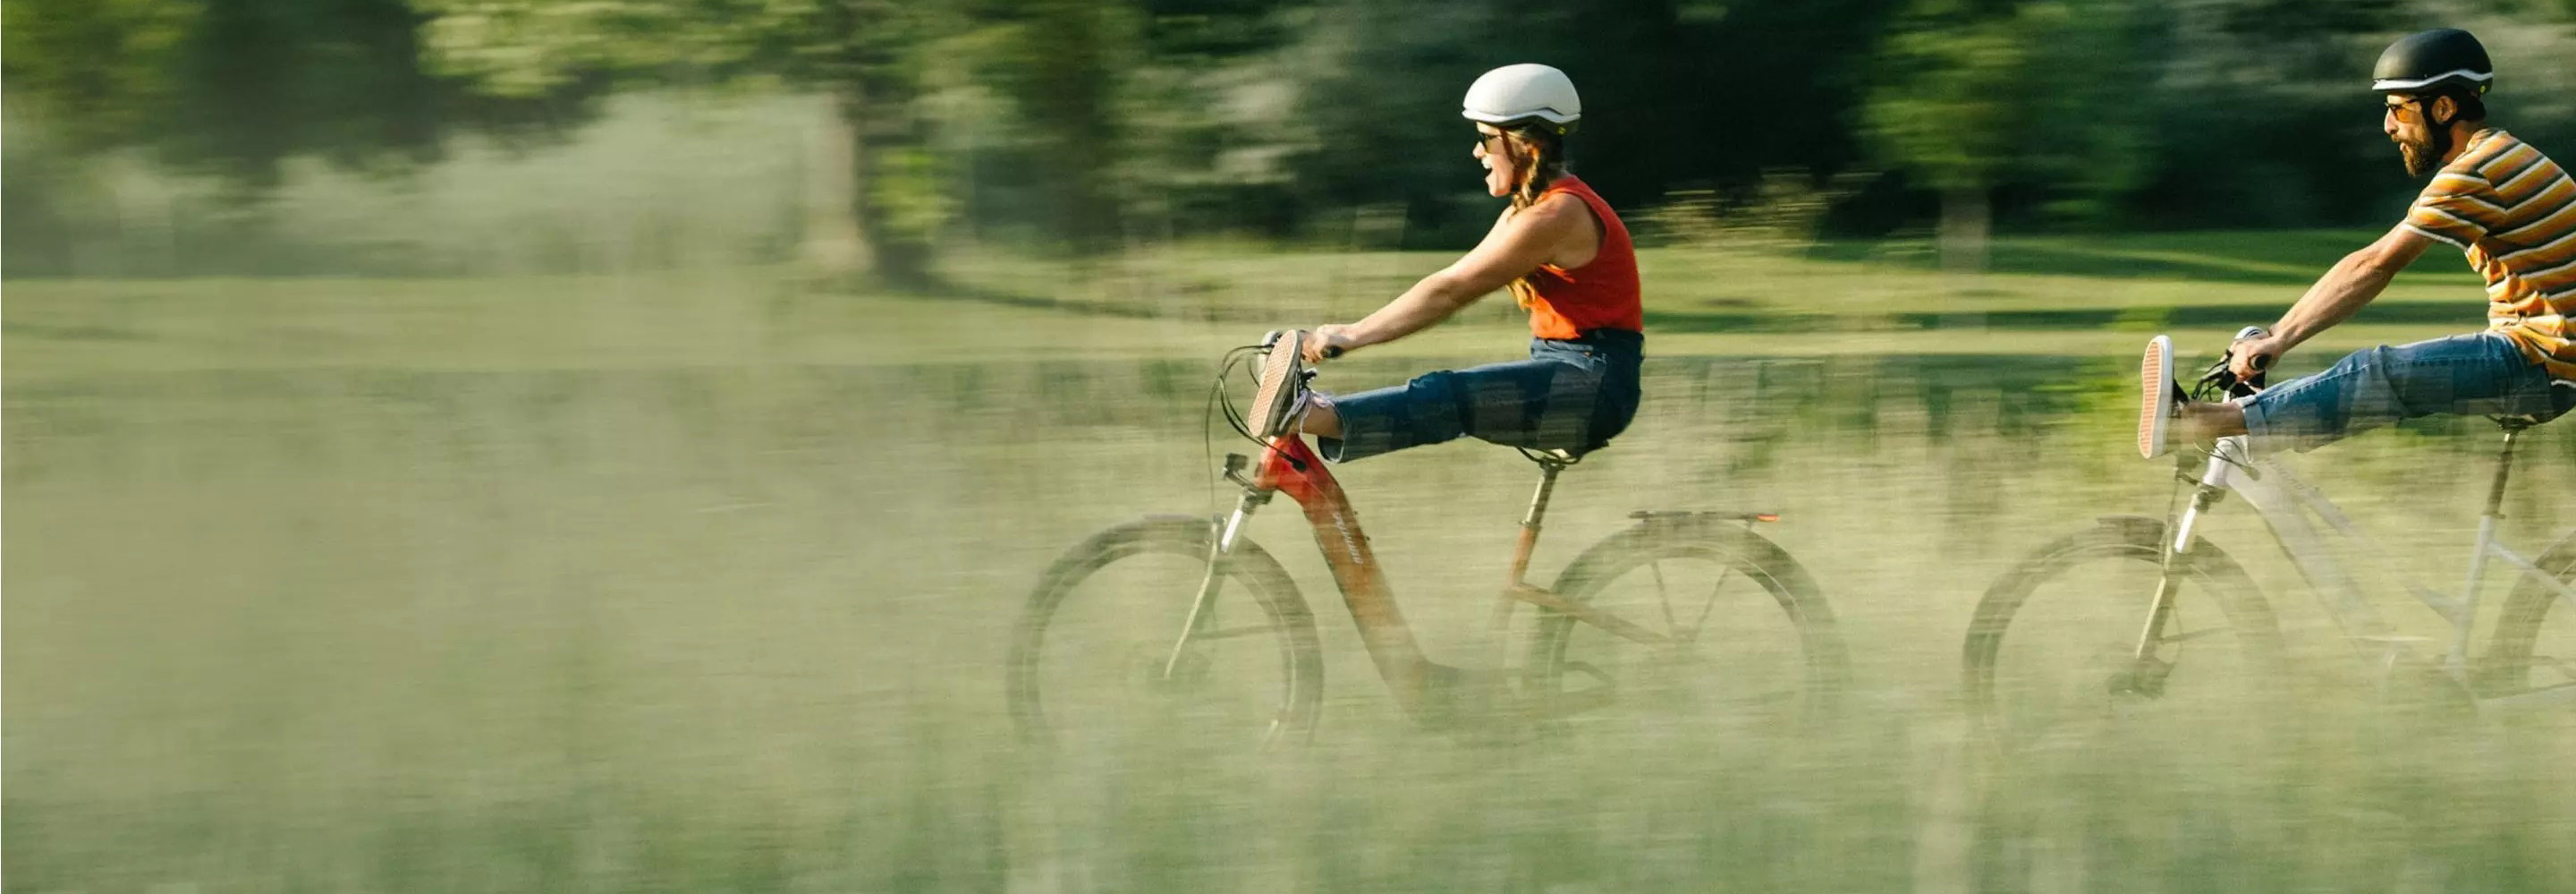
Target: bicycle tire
{"points": [[1823, 660], [1248, 569], [2116, 539], [2506, 668]]}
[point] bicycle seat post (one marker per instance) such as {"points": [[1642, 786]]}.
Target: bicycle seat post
{"points": [[2459, 654], [2513, 427], [1531, 521]]}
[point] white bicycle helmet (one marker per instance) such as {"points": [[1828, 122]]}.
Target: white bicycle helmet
{"points": [[1521, 92]]}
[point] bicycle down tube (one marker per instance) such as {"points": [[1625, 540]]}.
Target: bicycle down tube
{"points": [[1288, 466], [2292, 510]]}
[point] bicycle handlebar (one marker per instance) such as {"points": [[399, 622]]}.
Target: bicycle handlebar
{"points": [[2223, 375], [2260, 362]]}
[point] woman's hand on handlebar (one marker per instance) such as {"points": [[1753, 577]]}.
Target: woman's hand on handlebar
{"points": [[1329, 341]]}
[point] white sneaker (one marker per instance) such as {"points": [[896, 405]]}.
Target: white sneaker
{"points": [[2156, 396], [1276, 398]]}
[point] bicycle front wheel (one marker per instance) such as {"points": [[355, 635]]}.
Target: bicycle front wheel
{"points": [[2535, 639], [2075, 611], [1100, 653], [1707, 623]]}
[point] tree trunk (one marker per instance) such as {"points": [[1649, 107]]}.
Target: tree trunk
{"points": [[832, 247], [1966, 222], [1065, 99], [876, 129]]}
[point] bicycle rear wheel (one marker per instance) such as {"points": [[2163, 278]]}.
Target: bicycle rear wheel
{"points": [[2074, 611], [1748, 640], [2535, 639], [1095, 660]]}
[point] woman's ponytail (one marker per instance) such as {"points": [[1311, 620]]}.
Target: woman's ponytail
{"points": [[1545, 163]]}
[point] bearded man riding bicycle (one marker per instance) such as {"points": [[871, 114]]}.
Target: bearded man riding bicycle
{"points": [[2511, 209], [1559, 249]]}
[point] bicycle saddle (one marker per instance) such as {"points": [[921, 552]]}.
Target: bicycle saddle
{"points": [[1560, 457]]}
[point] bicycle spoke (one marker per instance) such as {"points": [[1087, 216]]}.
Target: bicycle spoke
{"points": [[1704, 608], [1662, 596]]}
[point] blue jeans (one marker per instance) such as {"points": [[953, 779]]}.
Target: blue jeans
{"points": [[1572, 394], [2480, 373]]}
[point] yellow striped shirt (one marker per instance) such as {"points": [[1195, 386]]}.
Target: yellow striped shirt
{"points": [[2514, 212]]}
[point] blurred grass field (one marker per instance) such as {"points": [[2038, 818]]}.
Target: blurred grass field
{"points": [[702, 579]]}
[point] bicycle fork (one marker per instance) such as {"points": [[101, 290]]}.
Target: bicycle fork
{"points": [[1202, 607], [2147, 672]]}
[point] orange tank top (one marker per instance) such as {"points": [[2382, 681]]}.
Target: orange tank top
{"points": [[1601, 294]]}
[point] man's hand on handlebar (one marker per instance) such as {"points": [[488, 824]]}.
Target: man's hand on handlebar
{"points": [[2250, 355], [1329, 341]]}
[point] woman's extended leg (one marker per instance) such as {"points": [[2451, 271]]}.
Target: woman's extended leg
{"points": [[1530, 403]]}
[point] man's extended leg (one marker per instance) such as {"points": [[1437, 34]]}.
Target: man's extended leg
{"points": [[2479, 373], [2200, 423]]}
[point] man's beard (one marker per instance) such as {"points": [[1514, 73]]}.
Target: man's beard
{"points": [[2421, 160]]}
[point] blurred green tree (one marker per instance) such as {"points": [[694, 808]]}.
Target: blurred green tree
{"points": [[1090, 124], [1694, 94], [869, 54], [1060, 64], [1201, 112], [234, 87], [1969, 95], [229, 88], [899, 71], [91, 72]]}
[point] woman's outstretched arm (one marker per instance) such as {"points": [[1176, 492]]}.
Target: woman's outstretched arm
{"points": [[1518, 244]]}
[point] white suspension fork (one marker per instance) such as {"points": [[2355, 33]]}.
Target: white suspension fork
{"points": [[2213, 484], [1202, 614]]}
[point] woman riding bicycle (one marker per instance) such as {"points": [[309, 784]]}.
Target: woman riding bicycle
{"points": [[1560, 250]]}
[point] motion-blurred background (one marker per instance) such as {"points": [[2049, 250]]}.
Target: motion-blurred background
{"points": [[402, 137]]}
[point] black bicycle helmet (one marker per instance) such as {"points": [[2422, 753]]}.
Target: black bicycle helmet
{"points": [[2431, 61]]}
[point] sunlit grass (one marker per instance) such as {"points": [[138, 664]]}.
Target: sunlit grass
{"points": [[703, 581]]}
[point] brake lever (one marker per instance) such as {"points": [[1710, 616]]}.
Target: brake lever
{"points": [[2223, 374]]}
